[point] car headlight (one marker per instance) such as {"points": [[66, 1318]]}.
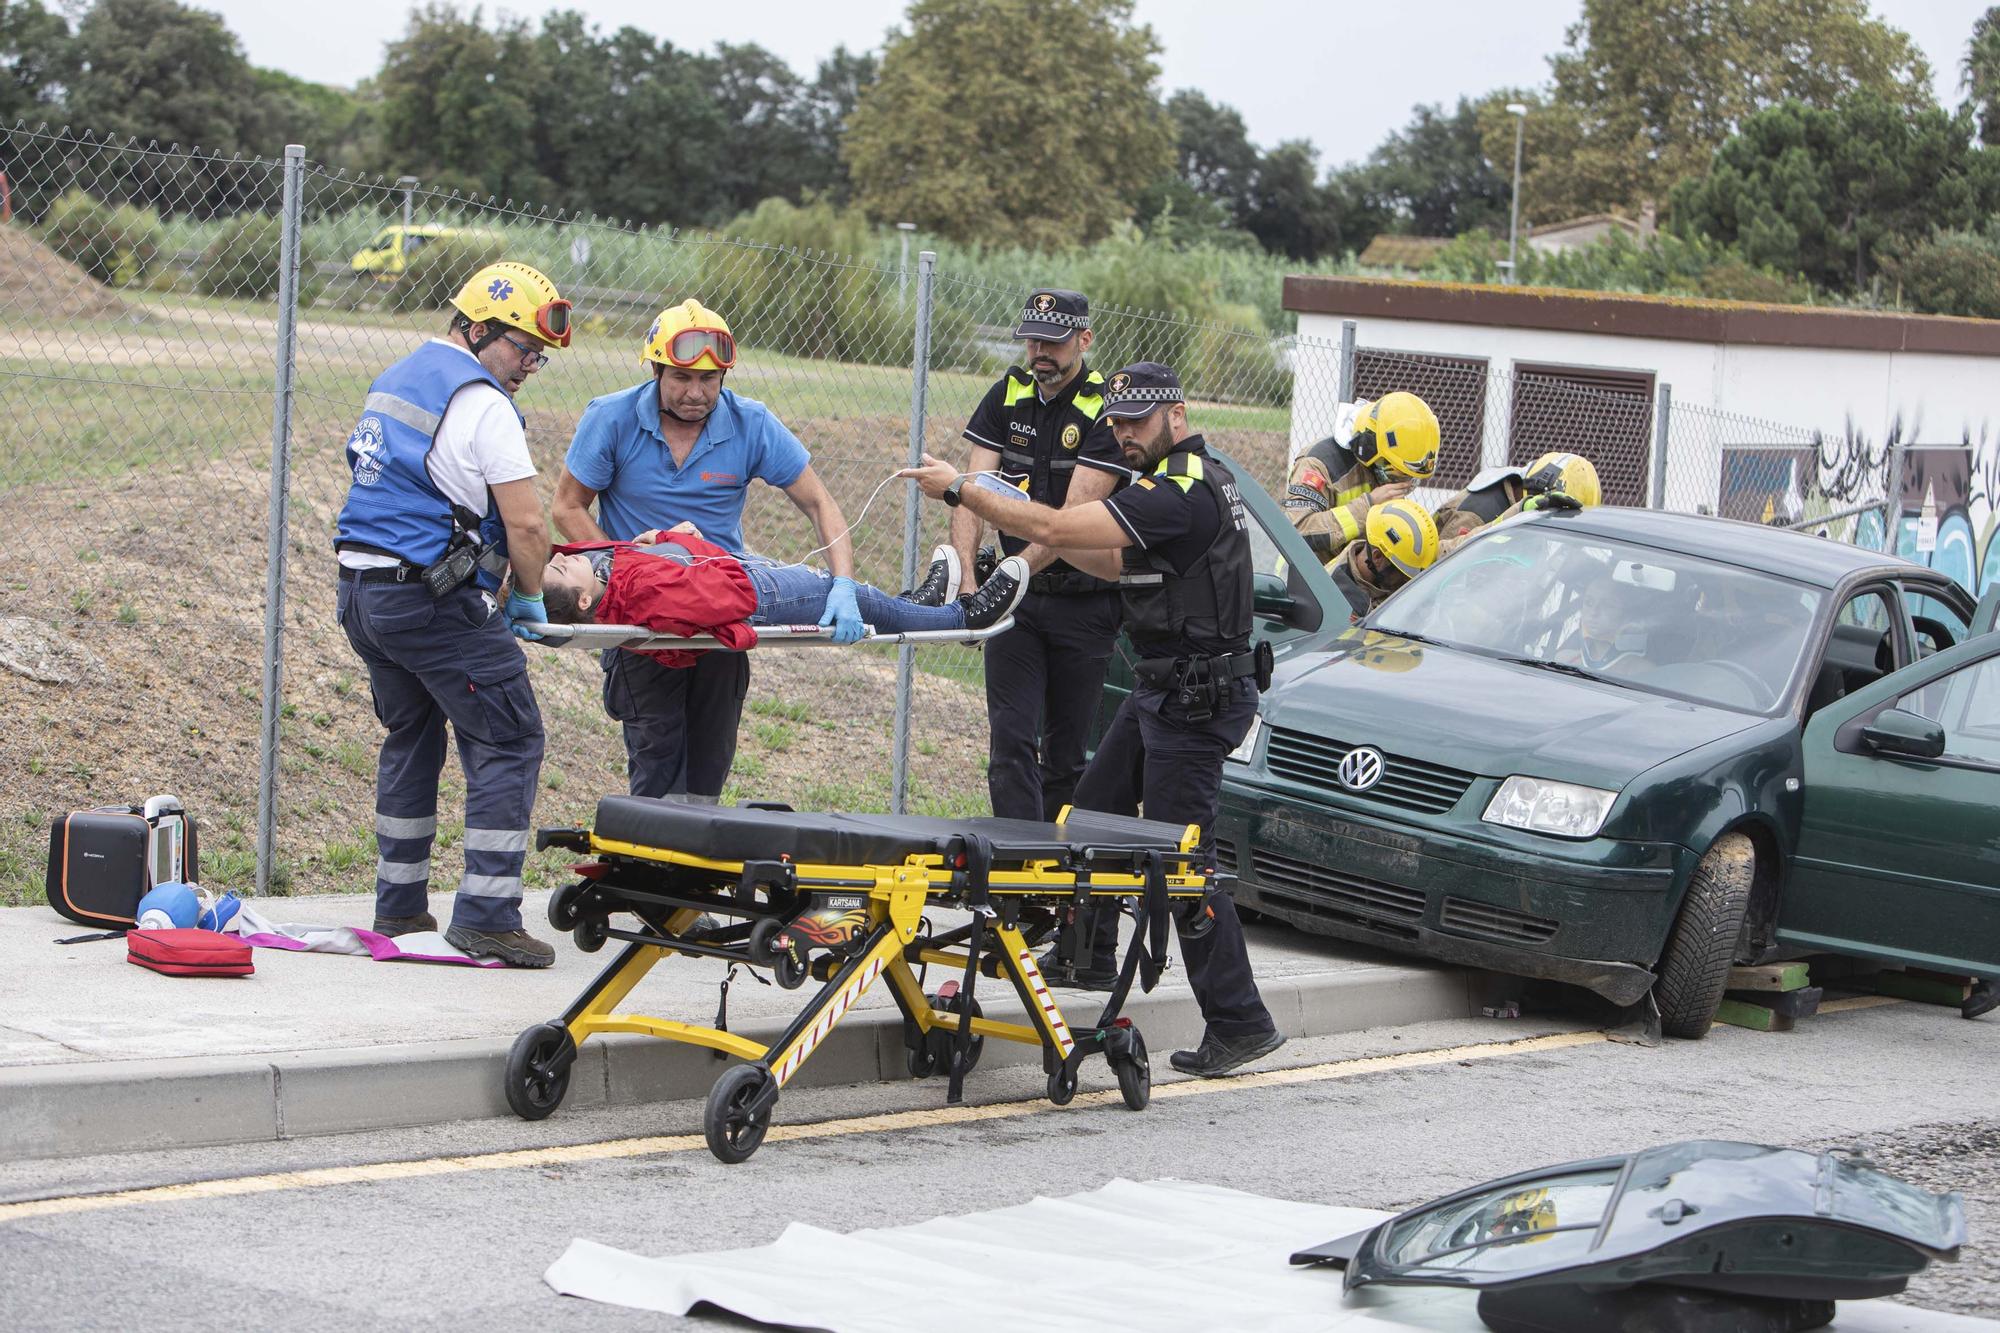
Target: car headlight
{"points": [[1541, 806], [1241, 754]]}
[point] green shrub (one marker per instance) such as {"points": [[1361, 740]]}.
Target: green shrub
{"points": [[437, 270], [1953, 273], [1232, 359], [790, 284], [117, 246], [243, 261], [1735, 280]]}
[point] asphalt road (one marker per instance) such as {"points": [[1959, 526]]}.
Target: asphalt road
{"points": [[444, 1239]]}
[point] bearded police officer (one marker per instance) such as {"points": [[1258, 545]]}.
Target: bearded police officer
{"points": [[1178, 541], [443, 492], [1042, 429]]}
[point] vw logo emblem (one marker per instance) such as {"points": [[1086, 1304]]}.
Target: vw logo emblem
{"points": [[1360, 769]]}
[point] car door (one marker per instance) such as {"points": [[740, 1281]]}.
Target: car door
{"points": [[1898, 853], [1290, 593]]}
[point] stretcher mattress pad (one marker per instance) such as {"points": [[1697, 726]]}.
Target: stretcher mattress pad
{"points": [[724, 833]]}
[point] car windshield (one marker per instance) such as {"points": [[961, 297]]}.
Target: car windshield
{"points": [[1655, 620]]}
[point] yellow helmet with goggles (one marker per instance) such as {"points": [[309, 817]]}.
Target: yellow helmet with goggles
{"points": [[690, 336], [518, 296], [1404, 533], [1572, 474], [1398, 433]]}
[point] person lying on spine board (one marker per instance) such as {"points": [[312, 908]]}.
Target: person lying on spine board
{"points": [[1402, 542], [680, 584]]}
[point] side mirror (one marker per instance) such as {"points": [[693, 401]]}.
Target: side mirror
{"points": [[1898, 731], [1269, 595]]}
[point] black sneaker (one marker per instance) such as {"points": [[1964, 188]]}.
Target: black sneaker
{"points": [[1983, 1000], [940, 585], [1089, 976], [994, 600], [515, 948], [1216, 1056], [393, 926]]}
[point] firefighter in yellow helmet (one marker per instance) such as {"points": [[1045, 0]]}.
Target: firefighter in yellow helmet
{"points": [[1390, 447], [1401, 543], [443, 496], [679, 451], [1553, 481]]}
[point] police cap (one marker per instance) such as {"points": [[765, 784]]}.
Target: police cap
{"points": [[1053, 316], [1139, 388]]}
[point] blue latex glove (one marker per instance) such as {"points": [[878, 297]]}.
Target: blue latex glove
{"points": [[842, 611], [520, 607]]}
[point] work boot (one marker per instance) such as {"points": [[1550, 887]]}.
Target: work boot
{"points": [[1089, 976], [515, 948], [1983, 1000], [1216, 1056], [393, 926], [940, 585], [994, 600]]}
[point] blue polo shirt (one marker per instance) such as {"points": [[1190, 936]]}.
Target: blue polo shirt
{"points": [[618, 452]]}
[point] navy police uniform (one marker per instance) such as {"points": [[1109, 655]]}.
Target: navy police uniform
{"points": [[1185, 585], [1045, 675], [435, 656]]}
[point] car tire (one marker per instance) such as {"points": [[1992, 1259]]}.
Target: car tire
{"points": [[1694, 970]]}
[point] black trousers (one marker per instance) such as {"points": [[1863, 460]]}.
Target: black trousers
{"points": [[680, 722], [1044, 678], [1154, 755]]}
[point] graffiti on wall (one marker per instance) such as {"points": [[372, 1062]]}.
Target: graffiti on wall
{"points": [[1948, 496]]}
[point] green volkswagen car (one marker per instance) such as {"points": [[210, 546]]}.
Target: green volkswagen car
{"points": [[1626, 749]]}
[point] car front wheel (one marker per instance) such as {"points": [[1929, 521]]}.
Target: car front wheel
{"points": [[1695, 968]]}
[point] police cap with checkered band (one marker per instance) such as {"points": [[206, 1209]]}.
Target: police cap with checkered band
{"points": [[1052, 315], [1140, 388]]}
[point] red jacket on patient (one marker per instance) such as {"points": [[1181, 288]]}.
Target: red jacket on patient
{"points": [[711, 596]]}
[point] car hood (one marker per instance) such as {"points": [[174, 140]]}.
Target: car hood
{"points": [[1465, 711]]}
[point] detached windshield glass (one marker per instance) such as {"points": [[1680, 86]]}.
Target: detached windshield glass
{"points": [[1666, 623]]}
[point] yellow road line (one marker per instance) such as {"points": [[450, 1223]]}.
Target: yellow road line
{"points": [[658, 1145]]}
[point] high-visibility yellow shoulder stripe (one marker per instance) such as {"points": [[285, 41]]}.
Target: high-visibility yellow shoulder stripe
{"points": [[1351, 494], [1090, 404], [1017, 390]]}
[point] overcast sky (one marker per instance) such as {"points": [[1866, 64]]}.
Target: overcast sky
{"points": [[1342, 73]]}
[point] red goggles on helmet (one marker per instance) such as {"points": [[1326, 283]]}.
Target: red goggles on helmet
{"points": [[552, 322], [690, 345]]}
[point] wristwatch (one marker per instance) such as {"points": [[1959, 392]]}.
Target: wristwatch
{"points": [[951, 492]]}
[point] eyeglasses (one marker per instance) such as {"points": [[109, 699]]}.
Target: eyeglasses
{"points": [[688, 346], [531, 357]]}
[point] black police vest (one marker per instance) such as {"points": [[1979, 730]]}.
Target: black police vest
{"points": [[1207, 609], [1488, 502], [1049, 461]]}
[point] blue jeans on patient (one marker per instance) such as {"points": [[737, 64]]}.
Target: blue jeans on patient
{"points": [[796, 595]]}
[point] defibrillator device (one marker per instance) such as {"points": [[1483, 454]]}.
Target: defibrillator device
{"points": [[102, 861]]}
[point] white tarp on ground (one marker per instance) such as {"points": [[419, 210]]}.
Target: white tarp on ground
{"points": [[1163, 1256]]}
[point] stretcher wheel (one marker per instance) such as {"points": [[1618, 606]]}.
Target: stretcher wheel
{"points": [[789, 971], [591, 932], [920, 1059], [940, 1040], [538, 1070], [562, 907], [733, 1132], [1135, 1074], [1062, 1085]]}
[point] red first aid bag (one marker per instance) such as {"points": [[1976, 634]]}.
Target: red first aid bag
{"points": [[189, 953]]}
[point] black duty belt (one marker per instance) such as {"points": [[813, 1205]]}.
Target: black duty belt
{"points": [[1161, 672], [383, 574], [1068, 582]]}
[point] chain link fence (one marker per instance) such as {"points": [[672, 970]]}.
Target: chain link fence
{"points": [[171, 580]]}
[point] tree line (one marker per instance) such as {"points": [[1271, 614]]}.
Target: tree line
{"points": [[1793, 139]]}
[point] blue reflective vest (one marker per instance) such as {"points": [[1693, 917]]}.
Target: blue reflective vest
{"points": [[393, 506]]}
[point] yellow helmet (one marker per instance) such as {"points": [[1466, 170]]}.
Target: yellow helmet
{"points": [[1399, 431], [1405, 534], [518, 296], [1572, 474], [690, 336], [1378, 651]]}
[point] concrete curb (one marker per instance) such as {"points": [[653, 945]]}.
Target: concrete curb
{"points": [[65, 1110]]}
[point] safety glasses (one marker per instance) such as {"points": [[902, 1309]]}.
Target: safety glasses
{"points": [[532, 358], [689, 345], [552, 322]]}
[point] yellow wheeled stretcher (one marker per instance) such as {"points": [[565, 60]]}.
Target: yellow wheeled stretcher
{"points": [[840, 899]]}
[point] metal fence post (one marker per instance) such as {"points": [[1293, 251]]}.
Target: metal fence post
{"points": [[1663, 420], [906, 654], [1346, 390], [1892, 499], [274, 572]]}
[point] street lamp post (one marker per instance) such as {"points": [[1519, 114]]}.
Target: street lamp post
{"points": [[903, 266], [1520, 115], [408, 185]]}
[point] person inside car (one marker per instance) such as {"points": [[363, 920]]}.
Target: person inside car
{"points": [[1611, 634]]}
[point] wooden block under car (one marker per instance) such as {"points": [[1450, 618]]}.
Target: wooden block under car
{"points": [[1765, 1011], [1924, 987], [1770, 977]]}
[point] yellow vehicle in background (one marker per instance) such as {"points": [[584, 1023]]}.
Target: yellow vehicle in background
{"points": [[388, 252]]}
